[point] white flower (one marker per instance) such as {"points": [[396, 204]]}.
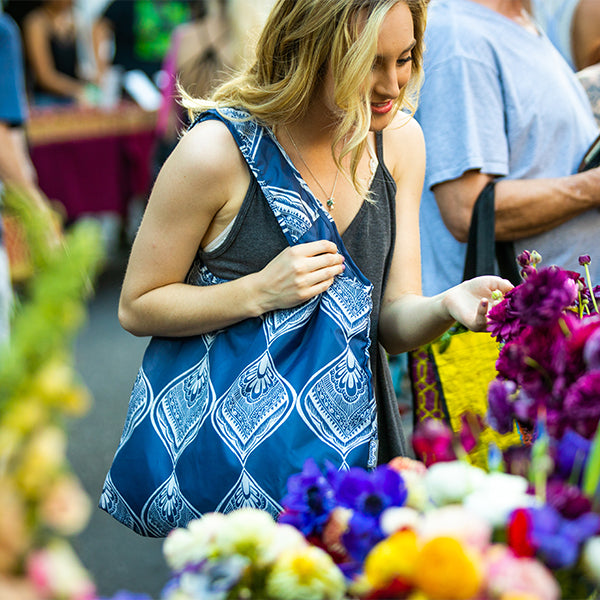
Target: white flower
{"points": [[248, 532], [499, 495], [591, 558], [307, 573], [456, 522], [286, 538], [417, 490], [450, 482], [398, 517], [192, 545]]}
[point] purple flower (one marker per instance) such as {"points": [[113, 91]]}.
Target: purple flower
{"points": [[510, 361], [582, 404], [572, 452], [524, 259], [544, 295], [552, 545], [125, 595], [500, 407], [585, 259], [371, 493], [582, 528], [309, 500], [517, 460], [504, 322]]}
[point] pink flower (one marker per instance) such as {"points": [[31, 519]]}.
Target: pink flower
{"points": [[66, 507], [507, 573], [56, 572]]}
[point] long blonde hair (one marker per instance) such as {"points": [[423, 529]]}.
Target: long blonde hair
{"points": [[299, 40]]}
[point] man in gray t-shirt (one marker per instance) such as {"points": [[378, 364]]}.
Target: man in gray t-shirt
{"points": [[499, 102]]}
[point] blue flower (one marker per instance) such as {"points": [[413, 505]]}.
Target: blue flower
{"points": [[309, 500], [573, 450], [371, 493], [363, 533]]}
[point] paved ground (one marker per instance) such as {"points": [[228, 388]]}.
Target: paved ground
{"points": [[108, 359]]}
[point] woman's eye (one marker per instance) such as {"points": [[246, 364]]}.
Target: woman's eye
{"points": [[403, 61]]}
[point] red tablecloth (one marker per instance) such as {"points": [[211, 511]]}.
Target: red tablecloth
{"points": [[90, 160]]}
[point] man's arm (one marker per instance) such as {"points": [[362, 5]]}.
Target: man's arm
{"points": [[524, 207]]}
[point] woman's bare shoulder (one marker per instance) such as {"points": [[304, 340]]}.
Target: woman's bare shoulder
{"points": [[404, 144], [207, 150]]}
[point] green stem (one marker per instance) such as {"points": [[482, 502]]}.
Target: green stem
{"points": [[589, 284]]}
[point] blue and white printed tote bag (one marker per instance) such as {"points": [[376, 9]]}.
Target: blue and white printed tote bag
{"points": [[219, 421]]}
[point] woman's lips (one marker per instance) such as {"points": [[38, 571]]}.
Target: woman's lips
{"points": [[382, 107]]}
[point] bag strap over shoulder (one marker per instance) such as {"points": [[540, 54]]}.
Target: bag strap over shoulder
{"points": [[483, 251]]}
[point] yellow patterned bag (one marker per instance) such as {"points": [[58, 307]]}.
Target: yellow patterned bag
{"points": [[452, 377]]}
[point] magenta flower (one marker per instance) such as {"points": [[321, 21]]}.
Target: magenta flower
{"points": [[544, 295], [591, 350], [432, 442], [567, 499]]}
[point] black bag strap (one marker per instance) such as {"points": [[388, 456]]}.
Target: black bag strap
{"points": [[482, 249]]}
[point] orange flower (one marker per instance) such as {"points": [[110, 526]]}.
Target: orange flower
{"points": [[446, 570]]}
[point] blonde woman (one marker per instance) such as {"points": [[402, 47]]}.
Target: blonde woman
{"points": [[283, 233]]}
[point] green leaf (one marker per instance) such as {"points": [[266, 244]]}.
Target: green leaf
{"points": [[591, 475]]}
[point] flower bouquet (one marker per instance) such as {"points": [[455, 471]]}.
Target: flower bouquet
{"points": [[400, 531]]}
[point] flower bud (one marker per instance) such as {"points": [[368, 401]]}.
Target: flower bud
{"points": [[585, 259]]}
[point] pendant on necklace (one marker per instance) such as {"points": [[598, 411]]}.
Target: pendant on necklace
{"points": [[330, 203]]}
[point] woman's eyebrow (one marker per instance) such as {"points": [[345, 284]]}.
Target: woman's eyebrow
{"points": [[407, 49]]}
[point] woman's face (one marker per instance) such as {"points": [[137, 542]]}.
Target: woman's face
{"points": [[392, 66]]}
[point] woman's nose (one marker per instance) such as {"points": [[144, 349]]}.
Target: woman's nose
{"points": [[388, 84]]}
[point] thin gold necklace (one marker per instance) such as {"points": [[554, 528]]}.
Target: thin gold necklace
{"points": [[330, 203]]}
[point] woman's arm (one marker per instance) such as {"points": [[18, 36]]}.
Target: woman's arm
{"points": [[198, 191], [407, 318], [37, 42]]}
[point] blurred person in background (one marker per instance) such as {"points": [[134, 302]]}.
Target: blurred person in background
{"points": [[247, 20], [53, 51], [16, 170], [141, 31], [500, 104], [199, 58], [573, 26]]}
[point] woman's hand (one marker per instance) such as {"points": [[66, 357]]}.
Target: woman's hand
{"points": [[468, 302], [297, 274]]}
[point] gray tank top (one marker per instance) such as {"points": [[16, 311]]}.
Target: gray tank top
{"points": [[256, 238]]}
